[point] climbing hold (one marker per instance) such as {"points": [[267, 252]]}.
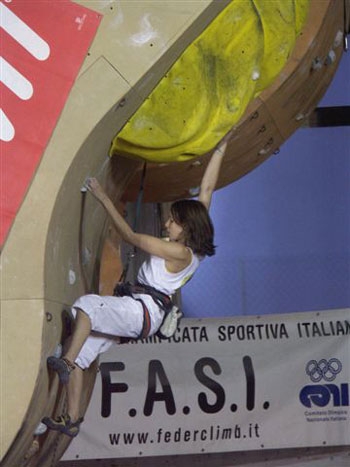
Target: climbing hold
{"points": [[300, 117], [194, 191], [263, 152], [338, 39], [71, 277], [255, 75], [331, 57], [40, 429], [86, 256], [316, 63]]}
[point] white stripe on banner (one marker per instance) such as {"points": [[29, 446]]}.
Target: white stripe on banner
{"points": [[223, 385], [23, 34], [15, 81]]}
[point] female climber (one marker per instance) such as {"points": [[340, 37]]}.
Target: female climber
{"points": [[99, 319]]}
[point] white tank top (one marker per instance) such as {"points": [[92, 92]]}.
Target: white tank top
{"points": [[154, 273]]}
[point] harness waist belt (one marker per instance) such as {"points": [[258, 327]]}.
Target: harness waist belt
{"points": [[123, 289], [161, 299]]}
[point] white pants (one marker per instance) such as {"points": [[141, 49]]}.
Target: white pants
{"points": [[113, 316]]}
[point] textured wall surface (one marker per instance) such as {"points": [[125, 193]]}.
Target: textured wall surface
{"points": [[209, 87]]}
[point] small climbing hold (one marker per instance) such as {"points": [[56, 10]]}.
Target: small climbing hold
{"points": [[299, 117], [316, 63], [40, 429], [331, 57], [86, 256], [71, 277], [194, 191], [338, 39]]}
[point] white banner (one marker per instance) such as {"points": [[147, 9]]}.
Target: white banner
{"points": [[236, 384]]}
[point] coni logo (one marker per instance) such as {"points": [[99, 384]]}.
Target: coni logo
{"points": [[320, 395]]}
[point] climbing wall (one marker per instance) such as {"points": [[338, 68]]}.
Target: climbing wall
{"points": [[51, 254]]}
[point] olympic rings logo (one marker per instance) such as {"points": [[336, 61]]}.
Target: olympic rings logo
{"points": [[323, 369]]}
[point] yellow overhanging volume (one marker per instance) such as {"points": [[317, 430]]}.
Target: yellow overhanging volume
{"points": [[208, 88]]}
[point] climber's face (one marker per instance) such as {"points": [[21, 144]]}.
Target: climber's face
{"points": [[175, 231]]}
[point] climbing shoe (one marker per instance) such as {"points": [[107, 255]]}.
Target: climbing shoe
{"points": [[62, 366], [63, 424]]}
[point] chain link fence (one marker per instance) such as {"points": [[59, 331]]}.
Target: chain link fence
{"points": [[268, 285]]}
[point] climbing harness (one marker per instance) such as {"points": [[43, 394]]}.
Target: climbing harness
{"points": [[161, 299], [125, 289], [172, 315]]}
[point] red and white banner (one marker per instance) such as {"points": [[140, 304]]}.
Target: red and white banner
{"points": [[220, 385], [43, 45]]}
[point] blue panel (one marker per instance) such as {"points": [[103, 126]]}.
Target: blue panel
{"points": [[283, 231]]}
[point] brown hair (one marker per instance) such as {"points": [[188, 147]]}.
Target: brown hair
{"points": [[193, 217]]}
